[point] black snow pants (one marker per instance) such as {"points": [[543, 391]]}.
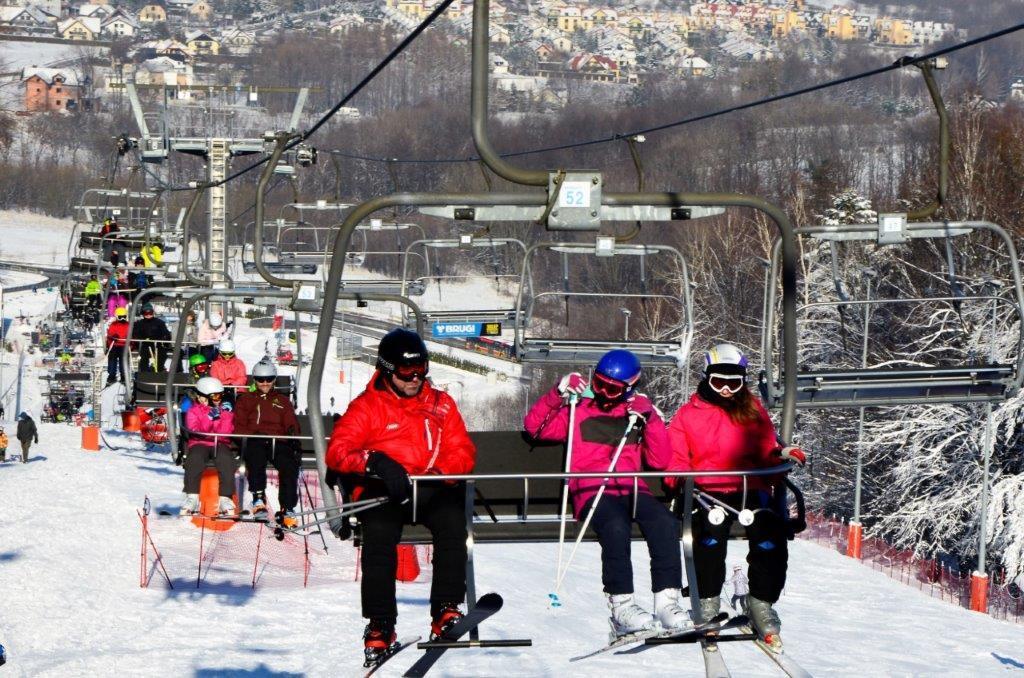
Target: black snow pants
{"points": [[442, 509], [613, 523], [195, 464], [768, 554], [257, 452]]}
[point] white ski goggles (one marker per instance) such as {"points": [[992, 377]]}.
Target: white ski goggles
{"points": [[721, 383]]}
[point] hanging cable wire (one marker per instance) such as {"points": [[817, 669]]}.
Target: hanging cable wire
{"points": [[302, 136], [903, 62]]}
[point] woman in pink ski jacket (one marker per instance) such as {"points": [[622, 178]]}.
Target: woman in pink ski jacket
{"points": [[601, 423], [209, 414], [724, 427]]}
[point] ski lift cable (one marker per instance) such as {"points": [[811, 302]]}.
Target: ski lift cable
{"points": [[367, 79], [902, 62]]}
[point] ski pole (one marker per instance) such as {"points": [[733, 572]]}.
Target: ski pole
{"points": [[349, 510], [593, 507], [553, 596], [352, 504]]}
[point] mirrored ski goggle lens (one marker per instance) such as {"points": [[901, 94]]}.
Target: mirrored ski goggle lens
{"points": [[202, 369], [726, 382], [609, 388], [411, 372]]}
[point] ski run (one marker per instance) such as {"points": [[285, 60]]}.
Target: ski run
{"points": [[70, 602]]}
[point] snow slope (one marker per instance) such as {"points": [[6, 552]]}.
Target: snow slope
{"points": [[34, 238], [70, 604]]}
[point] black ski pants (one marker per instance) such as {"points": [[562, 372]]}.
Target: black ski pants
{"points": [[613, 523], [442, 509], [285, 458], [114, 364], [152, 356], [767, 557], [195, 464]]}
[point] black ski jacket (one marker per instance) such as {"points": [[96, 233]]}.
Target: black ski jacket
{"points": [[27, 430]]}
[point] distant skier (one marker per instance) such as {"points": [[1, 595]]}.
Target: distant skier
{"points": [[229, 368], [27, 434], [740, 589], [93, 292], [211, 331], [600, 424], [402, 425], [154, 338], [209, 414], [3, 445], [269, 413], [724, 427], [117, 337]]}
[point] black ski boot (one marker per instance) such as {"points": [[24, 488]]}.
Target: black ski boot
{"points": [[446, 616], [379, 640]]}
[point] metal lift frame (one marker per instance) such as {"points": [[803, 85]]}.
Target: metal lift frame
{"points": [[477, 315], [894, 386], [579, 352]]}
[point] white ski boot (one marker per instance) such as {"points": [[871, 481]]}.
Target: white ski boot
{"points": [[628, 617], [225, 506], [190, 506], [765, 621], [668, 612]]}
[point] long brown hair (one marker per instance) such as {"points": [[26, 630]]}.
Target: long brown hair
{"points": [[741, 407]]}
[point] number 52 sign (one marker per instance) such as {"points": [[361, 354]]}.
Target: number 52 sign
{"points": [[575, 194]]}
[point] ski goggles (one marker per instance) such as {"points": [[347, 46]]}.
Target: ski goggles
{"points": [[721, 383], [264, 380], [607, 387], [216, 396], [411, 372], [202, 369], [228, 355]]}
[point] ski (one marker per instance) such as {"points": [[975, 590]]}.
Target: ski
{"points": [[621, 641], [399, 645], [783, 660], [719, 623], [714, 664], [488, 604]]}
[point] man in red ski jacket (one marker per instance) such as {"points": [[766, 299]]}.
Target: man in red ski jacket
{"points": [[401, 426], [117, 337]]}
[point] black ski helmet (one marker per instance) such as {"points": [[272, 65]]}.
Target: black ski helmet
{"points": [[400, 347]]}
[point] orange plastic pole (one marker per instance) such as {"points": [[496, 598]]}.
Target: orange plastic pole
{"points": [[209, 494], [979, 592], [855, 537], [91, 438]]}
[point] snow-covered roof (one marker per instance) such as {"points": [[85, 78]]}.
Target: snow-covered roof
{"points": [[92, 23], [162, 64], [48, 75]]}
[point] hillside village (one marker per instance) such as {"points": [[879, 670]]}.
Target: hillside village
{"points": [[187, 46]]}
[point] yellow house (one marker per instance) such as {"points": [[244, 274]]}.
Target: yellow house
{"points": [[153, 14], [569, 19], [785, 21], [413, 8], [839, 26], [201, 10], [79, 28], [890, 31], [199, 42]]}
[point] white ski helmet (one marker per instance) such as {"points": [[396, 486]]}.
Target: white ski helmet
{"points": [[226, 346], [725, 358], [215, 320], [264, 368], [207, 386]]}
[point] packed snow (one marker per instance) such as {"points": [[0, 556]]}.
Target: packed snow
{"points": [[72, 605], [37, 238]]}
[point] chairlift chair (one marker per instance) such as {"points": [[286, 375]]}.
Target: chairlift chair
{"points": [[572, 351], [982, 380], [465, 243]]}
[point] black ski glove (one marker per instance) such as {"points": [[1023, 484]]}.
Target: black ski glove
{"points": [[392, 473]]}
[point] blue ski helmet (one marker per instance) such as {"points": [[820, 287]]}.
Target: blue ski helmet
{"points": [[622, 366]]}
